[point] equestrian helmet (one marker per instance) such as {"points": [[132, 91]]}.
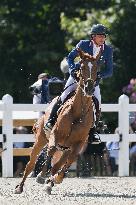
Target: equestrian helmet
{"points": [[98, 29]]}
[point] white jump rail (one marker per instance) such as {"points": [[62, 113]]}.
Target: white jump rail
{"points": [[10, 111]]}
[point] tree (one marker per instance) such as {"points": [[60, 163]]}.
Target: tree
{"points": [[36, 35], [31, 41], [123, 31]]}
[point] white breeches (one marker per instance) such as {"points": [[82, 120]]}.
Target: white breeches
{"points": [[71, 85], [97, 94]]}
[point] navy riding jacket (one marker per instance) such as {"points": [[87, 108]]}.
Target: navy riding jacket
{"points": [[106, 58]]}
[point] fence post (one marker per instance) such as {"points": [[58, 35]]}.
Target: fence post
{"points": [[7, 131], [124, 132]]}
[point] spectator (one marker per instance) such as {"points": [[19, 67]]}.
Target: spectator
{"points": [[39, 90], [132, 150], [113, 148]]}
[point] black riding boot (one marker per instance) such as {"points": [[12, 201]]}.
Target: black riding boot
{"points": [[53, 117], [98, 115], [93, 135]]}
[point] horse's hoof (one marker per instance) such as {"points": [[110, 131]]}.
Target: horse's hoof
{"points": [[18, 189], [48, 189], [58, 178], [40, 179]]}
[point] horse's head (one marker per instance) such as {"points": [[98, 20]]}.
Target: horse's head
{"points": [[88, 70]]}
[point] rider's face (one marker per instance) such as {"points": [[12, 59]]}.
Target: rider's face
{"points": [[99, 39]]}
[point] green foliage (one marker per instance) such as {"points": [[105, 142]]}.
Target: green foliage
{"points": [[123, 31], [77, 28], [31, 41], [36, 35]]}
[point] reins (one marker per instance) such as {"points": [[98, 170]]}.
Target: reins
{"points": [[69, 85]]}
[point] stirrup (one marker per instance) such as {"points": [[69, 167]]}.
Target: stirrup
{"points": [[47, 128], [96, 139]]}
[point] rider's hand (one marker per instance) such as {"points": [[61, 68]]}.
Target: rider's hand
{"points": [[75, 70], [74, 73]]}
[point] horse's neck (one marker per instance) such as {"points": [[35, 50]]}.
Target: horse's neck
{"points": [[78, 95], [80, 101], [85, 71], [94, 72]]}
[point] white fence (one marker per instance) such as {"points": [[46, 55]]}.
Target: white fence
{"points": [[10, 111]]}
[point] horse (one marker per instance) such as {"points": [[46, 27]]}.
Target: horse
{"points": [[77, 116]]}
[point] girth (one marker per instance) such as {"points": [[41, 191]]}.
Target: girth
{"points": [[62, 148]]}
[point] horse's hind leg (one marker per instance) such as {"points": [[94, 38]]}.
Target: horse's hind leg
{"points": [[38, 146], [41, 141]]}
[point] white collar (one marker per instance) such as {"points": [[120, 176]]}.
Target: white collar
{"points": [[94, 45]]}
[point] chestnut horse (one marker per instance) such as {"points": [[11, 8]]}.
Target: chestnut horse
{"points": [[70, 132]]}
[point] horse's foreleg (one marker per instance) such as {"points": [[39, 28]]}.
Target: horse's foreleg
{"points": [[58, 170], [57, 178], [62, 166], [66, 161], [55, 168]]}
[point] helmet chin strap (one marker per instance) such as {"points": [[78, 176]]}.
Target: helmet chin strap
{"points": [[96, 43]]}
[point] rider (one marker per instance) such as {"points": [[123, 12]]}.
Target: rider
{"points": [[97, 41]]}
